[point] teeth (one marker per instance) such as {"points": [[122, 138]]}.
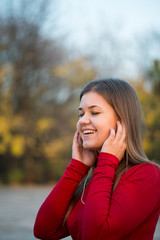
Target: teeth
{"points": [[88, 131]]}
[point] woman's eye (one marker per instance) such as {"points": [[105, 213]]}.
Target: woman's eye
{"points": [[92, 113], [95, 113], [80, 114]]}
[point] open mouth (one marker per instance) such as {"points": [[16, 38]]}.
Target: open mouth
{"points": [[87, 132]]}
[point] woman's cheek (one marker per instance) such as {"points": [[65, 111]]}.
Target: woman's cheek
{"points": [[106, 135]]}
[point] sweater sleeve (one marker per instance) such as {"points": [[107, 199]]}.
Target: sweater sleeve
{"points": [[114, 216], [50, 217]]}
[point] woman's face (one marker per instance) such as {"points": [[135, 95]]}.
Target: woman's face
{"points": [[96, 118]]}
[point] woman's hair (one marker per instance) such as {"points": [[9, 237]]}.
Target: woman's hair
{"points": [[123, 99]]}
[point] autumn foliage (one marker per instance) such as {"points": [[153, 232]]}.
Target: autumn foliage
{"points": [[39, 97]]}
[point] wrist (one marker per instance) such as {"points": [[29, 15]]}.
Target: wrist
{"points": [[108, 159], [80, 165]]}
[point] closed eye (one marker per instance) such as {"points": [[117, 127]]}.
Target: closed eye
{"points": [[95, 113], [80, 115]]}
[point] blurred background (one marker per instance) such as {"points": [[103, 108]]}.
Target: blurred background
{"points": [[48, 50]]}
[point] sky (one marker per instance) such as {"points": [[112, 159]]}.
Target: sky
{"points": [[84, 23], [104, 27], [85, 18], [82, 20]]}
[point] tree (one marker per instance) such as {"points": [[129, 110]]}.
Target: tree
{"points": [[28, 52], [39, 95], [26, 60], [151, 110], [153, 76]]}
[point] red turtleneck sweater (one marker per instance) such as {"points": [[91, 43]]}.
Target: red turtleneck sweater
{"points": [[130, 212]]}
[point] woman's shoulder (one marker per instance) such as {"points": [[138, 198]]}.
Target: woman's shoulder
{"points": [[146, 171], [142, 181]]}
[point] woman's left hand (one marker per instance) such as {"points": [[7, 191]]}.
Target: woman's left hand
{"points": [[116, 142]]}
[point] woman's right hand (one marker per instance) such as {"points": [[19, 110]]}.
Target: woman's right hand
{"points": [[85, 156]]}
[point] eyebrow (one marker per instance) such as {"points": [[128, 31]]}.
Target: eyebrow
{"points": [[90, 107]]}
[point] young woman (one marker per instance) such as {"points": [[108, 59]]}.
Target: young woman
{"points": [[110, 190]]}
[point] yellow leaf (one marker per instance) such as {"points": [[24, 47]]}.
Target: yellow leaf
{"points": [[2, 148], [4, 125], [17, 146], [44, 124]]}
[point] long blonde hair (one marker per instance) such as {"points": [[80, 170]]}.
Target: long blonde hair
{"points": [[124, 100]]}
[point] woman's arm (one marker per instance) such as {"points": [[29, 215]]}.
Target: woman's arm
{"points": [[49, 220], [113, 216]]}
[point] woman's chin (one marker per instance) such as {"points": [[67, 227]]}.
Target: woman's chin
{"points": [[91, 147], [87, 146]]}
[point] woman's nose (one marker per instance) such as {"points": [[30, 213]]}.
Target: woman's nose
{"points": [[84, 120]]}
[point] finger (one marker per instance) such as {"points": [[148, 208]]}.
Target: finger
{"points": [[78, 125], [112, 134], [119, 132], [123, 131], [75, 138], [79, 139]]}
